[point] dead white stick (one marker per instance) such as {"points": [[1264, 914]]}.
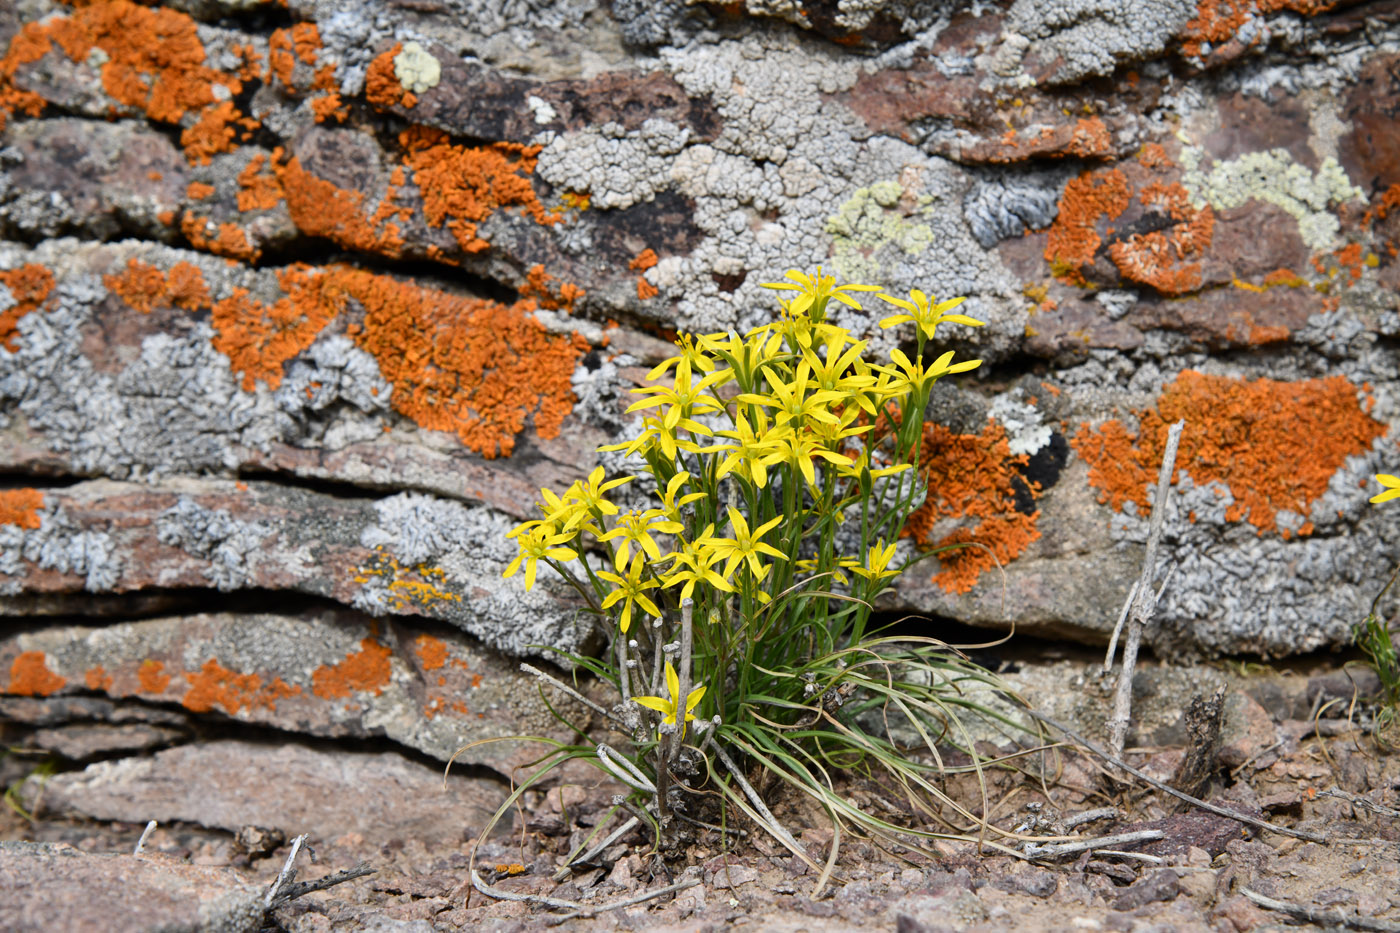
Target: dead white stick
{"points": [[581, 910], [145, 834], [594, 852], [773, 826], [687, 609], [570, 691], [1058, 849], [1323, 918], [1118, 628], [288, 873], [1145, 602]]}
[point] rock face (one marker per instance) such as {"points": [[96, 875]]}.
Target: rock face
{"points": [[299, 308]]}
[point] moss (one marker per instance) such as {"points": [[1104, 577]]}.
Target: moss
{"points": [[1275, 445]]}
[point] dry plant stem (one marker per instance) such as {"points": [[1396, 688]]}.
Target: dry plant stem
{"points": [[592, 853], [1167, 788], [687, 641], [287, 874], [1144, 603], [581, 910], [1091, 816], [624, 678], [1058, 849], [1323, 918], [759, 806], [1361, 803], [1118, 628], [565, 688], [293, 891], [145, 834]]}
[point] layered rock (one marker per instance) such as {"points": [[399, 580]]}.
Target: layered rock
{"points": [[312, 304]]}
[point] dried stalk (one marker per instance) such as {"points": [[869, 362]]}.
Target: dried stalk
{"points": [[1322, 918], [570, 691], [1145, 601], [1058, 849]]}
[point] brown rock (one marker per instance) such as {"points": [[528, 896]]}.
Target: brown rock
{"points": [[52, 886], [1246, 731]]}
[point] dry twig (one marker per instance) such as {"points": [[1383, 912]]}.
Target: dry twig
{"points": [[1058, 849], [1144, 601], [288, 873], [1168, 789], [1322, 918], [293, 891], [145, 834], [580, 910]]}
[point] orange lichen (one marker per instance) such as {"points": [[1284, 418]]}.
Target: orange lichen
{"points": [[362, 671], [976, 477], [153, 62], [198, 190], [382, 87], [1154, 156], [141, 286], [212, 134], [1090, 139], [537, 287], [644, 261], [319, 208], [1074, 238], [226, 239], [468, 366], [1351, 258], [329, 107], [1218, 22], [259, 338], [1275, 445], [21, 507], [1285, 277], [431, 651], [215, 685], [463, 185], [258, 190], [97, 678], [30, 676], [146, 288], [1156, 258], [152, 676], [29, 287]]}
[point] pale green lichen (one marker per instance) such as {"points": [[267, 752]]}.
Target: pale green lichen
{"points": [[1274, 178], [416, 70], [869, 222]]}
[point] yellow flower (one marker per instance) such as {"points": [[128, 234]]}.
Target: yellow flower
{"points": [[745, 546], [815, 290], [631, 588], [685, 396], [669, 707], [694, 564], [692, 352], [800, 449], [540, 543], [669, 514], [754, 453], [916, 376], [838, 372], [877, 562], [926, 313], [634, 527], [589, 494], [791, 399], [809, 567], [1392, 487]]}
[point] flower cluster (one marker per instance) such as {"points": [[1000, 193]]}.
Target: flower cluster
{"points": [[765, 449]]}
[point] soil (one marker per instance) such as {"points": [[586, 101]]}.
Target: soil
{"points": [[1323, 773]]}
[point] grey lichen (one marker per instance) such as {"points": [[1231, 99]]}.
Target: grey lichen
{"points": [[1094, 37], [1007, 205], [58, 544], [228, 544], [468, 544]]}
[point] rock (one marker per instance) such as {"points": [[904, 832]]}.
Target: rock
{"points": [[1161, 885], [51, 886], [335, 674], [229, 784], [1246, 731], [80, 741]]}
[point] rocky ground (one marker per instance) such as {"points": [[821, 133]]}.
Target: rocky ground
{"points": [[1293, 749]]}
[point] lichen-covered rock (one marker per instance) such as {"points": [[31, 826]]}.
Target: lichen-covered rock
{"points": [[392, 269]]}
